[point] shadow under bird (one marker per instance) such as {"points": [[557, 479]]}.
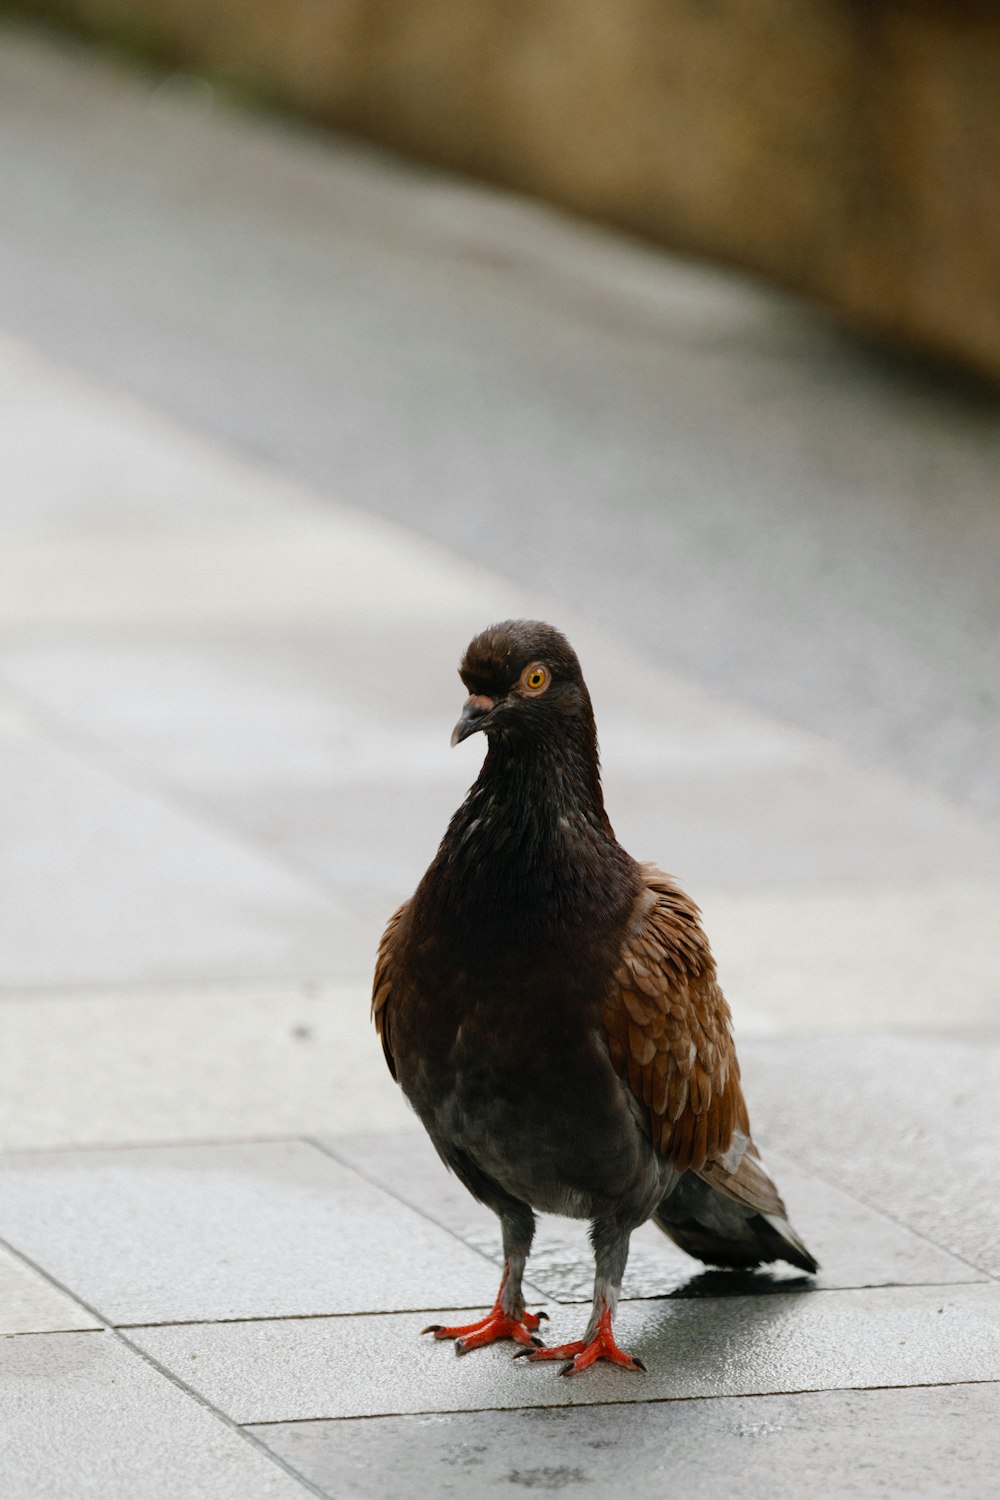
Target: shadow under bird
{"points": [[551, 1010]]}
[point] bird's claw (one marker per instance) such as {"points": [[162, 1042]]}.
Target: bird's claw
{"points": [[495, 1326], [580, 1355], [627, 1362]]}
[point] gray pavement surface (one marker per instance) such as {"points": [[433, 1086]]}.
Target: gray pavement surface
{"points": [[698, 464], [233, 355], [819, 1446]]}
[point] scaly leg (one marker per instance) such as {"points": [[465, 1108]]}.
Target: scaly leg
{"points": [[508, 1318], [611, 1249]]}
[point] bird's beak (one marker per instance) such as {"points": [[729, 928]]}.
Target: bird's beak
{"points": [[476, 708]]}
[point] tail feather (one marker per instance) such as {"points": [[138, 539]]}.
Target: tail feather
{"points": [[731, 1214]]}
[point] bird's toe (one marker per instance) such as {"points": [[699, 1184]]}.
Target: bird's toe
{"points": [[496, 1325]]}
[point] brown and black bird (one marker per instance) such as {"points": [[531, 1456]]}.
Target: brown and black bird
{"points": [[551, 1010]]}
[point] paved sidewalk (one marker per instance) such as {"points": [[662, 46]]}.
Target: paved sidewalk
{"points": [[225, 702], [808, 524], [225, 715]]}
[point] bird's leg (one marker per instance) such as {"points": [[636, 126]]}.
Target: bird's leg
{"points": [[610, 1243], [508, 1318]]}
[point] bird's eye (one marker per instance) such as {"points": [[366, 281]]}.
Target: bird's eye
{"points": [[535, 679]]}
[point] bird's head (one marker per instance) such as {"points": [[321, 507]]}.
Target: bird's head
{"points": [[524, 682]]}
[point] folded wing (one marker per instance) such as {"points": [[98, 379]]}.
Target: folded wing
{"points": [[383, 983], [668, 1030]]}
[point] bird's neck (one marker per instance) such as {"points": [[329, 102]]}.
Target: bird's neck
{"points": [[532, 840]]}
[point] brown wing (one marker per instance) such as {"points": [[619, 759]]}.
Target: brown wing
{"points": [[743, 1177], [382, 985], [668, 1023], [668, 1033]]}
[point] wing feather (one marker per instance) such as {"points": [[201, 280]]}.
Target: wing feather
{"points": [[668, 1029], [382, 984]]}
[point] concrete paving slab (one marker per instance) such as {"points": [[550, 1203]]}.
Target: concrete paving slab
{"points": [[30, 1304], [908, 1124], [232, 1231], [820, 819], [315, 746], [854, 955], [246, 724], [288, 719], [117, 467], [227, 709], [223, 717], [109, 543], [201, 660], [204, 1062], [82, 1415], [609, 423], [366, 1366], [929, 1443], [126, 553], [107, 882], [264, 735], [855, 1246], [303, 567]]}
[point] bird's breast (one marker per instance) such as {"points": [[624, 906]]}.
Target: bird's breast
{"points": [[521, 1081]]}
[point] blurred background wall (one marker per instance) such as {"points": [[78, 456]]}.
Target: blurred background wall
{"points": [[849, 149]]}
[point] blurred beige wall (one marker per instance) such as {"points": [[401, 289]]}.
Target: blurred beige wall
{"points": [[847, 148]]}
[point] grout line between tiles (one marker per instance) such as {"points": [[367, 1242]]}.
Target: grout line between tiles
{"points": [[982, 1273], [175, 1380], [242, 1430], [137, 778], [944, 1289], [44, 1333], [980, 1277], [475, 1411], [230, 987], [317, 1317], [411, 1312], [170, 1144], [373, 1182], [245, 1429]]}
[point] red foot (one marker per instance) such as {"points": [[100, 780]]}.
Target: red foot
{"points": [[496, 1325], [581, 1356]]}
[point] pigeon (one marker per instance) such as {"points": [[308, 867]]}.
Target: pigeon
{"points": [[551, 1011]]}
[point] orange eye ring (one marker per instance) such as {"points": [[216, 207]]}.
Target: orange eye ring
{"points": [[535, 679]]}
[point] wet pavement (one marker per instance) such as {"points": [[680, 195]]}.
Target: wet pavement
{"points": [[226, 689]]}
